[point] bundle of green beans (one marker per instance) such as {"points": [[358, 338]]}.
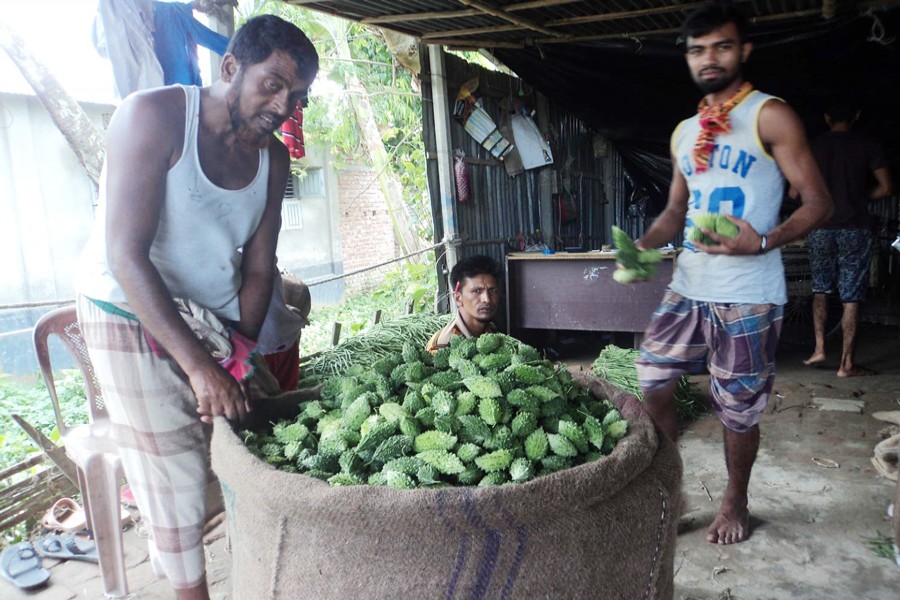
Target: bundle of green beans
{"points": [[616, 365], [365, 348]]}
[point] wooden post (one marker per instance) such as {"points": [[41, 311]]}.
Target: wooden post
{"points": [[335, 333], [440, 103], [376, 317]]}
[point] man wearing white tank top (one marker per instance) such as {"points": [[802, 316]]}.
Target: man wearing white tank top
{"points": [[722, 311], [190, 205]]}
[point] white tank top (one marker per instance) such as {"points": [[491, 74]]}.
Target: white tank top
{"points": [[202, 228], [743, 180]]}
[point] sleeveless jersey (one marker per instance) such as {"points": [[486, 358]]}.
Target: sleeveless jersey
{"points": [[743, 180], [202, 228]]}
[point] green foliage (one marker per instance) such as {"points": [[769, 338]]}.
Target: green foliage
{"points": [[616, 365], [32, 403], [882, 546], [369, 345], [391, 91]]}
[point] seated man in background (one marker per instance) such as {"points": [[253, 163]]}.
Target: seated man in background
{"points": [[476, 292]]}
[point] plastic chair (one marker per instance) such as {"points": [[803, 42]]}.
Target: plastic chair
{"points": [[91, 448]]}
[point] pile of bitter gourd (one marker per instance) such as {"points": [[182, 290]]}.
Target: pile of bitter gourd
{"points": [[484, 411]]}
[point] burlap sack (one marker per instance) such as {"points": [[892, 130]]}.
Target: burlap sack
{"points": [[601, 530]]}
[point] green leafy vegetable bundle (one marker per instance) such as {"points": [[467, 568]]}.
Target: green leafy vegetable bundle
{"points": [[380, 340], [484, 411], [638, 264], [616, 365], [715, 222]]}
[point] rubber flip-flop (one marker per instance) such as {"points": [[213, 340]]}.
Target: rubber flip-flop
{"points": [[66, 548], [65, 515], [21, 565]]}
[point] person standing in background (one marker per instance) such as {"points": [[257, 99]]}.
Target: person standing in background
{"points": [[840, 251]]}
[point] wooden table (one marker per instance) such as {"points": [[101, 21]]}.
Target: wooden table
{"points": [[576, 291]]}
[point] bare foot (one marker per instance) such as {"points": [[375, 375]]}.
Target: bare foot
{"points": [[729, 527], [816, 359], [855, 372]]}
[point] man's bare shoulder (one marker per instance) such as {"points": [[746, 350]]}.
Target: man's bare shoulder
{"points": [[776, 118], [158, 112]]}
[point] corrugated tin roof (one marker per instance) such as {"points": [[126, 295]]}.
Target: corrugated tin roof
{"points": [[520, 24]]}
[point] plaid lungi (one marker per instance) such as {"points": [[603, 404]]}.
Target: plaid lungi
{"points": [[162, 442], [735, 343]]}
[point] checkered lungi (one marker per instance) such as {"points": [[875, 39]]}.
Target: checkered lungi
{"points": [[162, 442], [735, 343]]}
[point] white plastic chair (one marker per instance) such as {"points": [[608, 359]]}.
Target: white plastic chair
{"points": [[91, 448]]}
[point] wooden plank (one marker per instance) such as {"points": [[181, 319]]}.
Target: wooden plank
{"points": [[580, 294], [502, 14], [422, 16], [471, 31], [19, 503], [479, 43], [34, 459], [785, 16], [335, 333], [456, 14], [585, 256], [626, 14], [55, 453]]}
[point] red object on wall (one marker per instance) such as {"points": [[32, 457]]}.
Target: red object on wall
{"points": [[461, 172], [292, 134]]}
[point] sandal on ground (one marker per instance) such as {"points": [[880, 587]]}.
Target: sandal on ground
{"points": [[65, 515], [21, 565], [66, 548]]}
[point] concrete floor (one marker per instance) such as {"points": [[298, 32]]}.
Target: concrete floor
{"points": [[810, 517]]}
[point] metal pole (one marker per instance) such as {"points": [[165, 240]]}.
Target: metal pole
{"points": [[546, 177], [441, 111]]}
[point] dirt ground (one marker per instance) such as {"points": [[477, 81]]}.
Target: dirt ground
{"points": [[814, 497]]}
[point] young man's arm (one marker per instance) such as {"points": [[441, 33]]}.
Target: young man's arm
{"points": [[781, 129], [258, 260], [670, 221], [883, 185], [144, 141]]}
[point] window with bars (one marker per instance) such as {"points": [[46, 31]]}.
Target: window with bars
{"points": [[311, 185]]}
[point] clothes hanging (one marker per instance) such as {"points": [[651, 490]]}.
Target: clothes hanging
{"points": [[121, 33], [176, 36], [292, 133], [533, 148]]}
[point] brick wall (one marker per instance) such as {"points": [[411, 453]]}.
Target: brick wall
{"points": [[367, 236]]}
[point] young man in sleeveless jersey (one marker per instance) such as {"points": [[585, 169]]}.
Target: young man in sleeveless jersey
{"points": [[722, 311]]}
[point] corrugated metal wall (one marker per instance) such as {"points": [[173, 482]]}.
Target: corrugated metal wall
{"points": [[505, 212]]}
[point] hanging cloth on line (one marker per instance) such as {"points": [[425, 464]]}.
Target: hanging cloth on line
{"points": [[121, 33], [175, 39], [292, 133]]}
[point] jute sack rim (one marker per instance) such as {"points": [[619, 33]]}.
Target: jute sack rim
{"points": [[559, 493]]}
